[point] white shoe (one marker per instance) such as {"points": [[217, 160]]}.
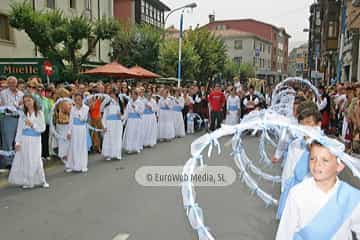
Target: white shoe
{"points": [[108, 159], [85, 170], [45, 185], [118, 158], [27, 186], [68, 170]]}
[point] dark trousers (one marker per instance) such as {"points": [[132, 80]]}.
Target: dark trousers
{"points": [[8, 127], [45, 142], [215, 120]]}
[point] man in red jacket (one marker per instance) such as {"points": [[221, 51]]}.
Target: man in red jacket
{"points": [[216, 101]]}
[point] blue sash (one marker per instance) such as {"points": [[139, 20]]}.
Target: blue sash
{"points": [[113, 117], [134, 115], [177, 109], [148, 112], [233, 108], [77, 121], [300, 172], [164, 108], [30, 132], [332, 216]]}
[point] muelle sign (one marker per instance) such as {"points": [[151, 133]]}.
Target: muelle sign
{"points": [[19, 69]]}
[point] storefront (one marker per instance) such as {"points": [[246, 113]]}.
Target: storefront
{"points": [[24, 68]]}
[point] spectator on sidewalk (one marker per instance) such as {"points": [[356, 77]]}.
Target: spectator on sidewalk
{"points": [[216, 101]]}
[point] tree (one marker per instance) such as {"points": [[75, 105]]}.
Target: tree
{"points": [[247, 71], [212, 52], [231, 70], [139, 45], [59, 38], [169, 60]]}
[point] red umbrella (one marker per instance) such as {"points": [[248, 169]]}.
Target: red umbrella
{"points": [[113, 69], [143, 72]]}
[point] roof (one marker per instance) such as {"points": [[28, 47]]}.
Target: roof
{"points": [[237, 33], [160, 5], [251, 20]]}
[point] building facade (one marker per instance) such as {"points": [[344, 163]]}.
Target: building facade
{"points": [[277, 36], [141, 11], [16, 44], [298, 61], [244, 47]]}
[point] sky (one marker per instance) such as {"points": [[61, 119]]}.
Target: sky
{"points": [[293, 15]]}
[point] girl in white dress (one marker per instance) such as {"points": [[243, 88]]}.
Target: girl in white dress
{"points": [[178, 116], [232, 108], [27, 167], [77, 159], [150, 123], [133, 141], [111, 120], [166, 118]]}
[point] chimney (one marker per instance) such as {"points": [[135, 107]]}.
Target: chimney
{"points": [[211, 18]]}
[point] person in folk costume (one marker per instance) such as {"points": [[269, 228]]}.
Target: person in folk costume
{"points": [[113, 127], [61, 120], [324, 107], [190, 121], [133, 141], [232, 108], [27, 167], [296, 166], [77, 159], [251, 101], [142, 98], [322, 206], [150, 127], [166, 119], [188, 101], [178, 117]]}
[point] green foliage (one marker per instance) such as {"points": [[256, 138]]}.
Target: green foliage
{"points": [[212, 52], [169, 60], [247, 71], [231, 70], [60, 38], [139, 45]]}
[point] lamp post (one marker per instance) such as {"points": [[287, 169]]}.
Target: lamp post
{"points": [[191, 6]]}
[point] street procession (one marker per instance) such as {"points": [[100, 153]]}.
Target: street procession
{"points": [[152, 119]]}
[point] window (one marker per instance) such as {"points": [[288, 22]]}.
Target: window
{"points": [[238, 44], [254, 61], [91, 41], [72, 4], [4, 28], [332, 30], [88, 5], [269, 49], [237, 60], [254, 44], [50, 4]]}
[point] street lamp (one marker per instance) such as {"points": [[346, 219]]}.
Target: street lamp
{"points": [[191, 6]]}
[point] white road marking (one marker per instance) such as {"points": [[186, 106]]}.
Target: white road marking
{"points": [[121, 236]]}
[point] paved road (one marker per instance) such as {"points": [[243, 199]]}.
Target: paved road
{"points": [[107, 203]]}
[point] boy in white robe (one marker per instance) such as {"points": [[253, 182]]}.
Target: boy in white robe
{"points": [[190, 119], [322, 207], [296, 166]]}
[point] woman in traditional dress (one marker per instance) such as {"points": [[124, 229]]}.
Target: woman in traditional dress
{"points": [[133, 141], [166, 118], [232, 108], [150, 123], [111, 120], [27, 168], [77, 159], [178, 116]]}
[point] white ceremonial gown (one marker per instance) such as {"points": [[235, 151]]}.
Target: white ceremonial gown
{"points": [[134, 129], [27, 167], [178, 117], [232, 107], [77, 159], [166, 119], [112, 141], [303, 204], [63, 142], [150, 123]]}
